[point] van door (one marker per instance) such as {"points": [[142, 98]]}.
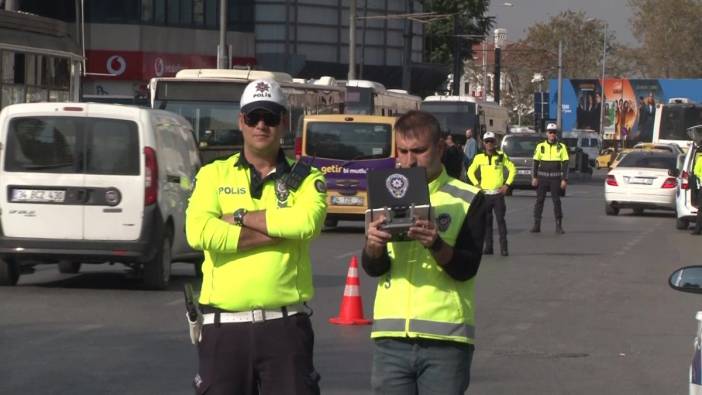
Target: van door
{"points": [[114, 180], [42, 184]]}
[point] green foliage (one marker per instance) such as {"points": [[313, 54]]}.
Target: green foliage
{"points": [[439, 34], [669, 34]]}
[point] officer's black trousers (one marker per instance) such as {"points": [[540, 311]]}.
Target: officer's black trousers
{"points": [[268, 358], [545, 185], [497, 204]]}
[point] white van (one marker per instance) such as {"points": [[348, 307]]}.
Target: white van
{"points": [[90, 183], [589, 141]]}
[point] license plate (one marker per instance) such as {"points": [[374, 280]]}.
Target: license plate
{"points": [[347, 200], [524, 171], [38, 196], [641, 181]]}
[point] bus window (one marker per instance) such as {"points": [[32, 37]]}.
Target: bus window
{"points": [[348, 141]]}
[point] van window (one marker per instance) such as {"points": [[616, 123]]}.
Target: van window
{"points": [[72, 145], [347, 141]]}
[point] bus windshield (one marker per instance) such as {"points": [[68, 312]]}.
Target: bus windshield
{"points": [[454, 117], [359, 100], [676, 120], [348, 141]]}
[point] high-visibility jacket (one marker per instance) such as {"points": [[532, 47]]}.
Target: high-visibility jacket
{"points": [[416, 298], [550, 160], [697, 170], [492, 170], [264, 277]]}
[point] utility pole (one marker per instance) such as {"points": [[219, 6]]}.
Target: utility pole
{"points": [[352, 40], [559, 121], [457, 66], [500, 36], [485, 87], [222, 56], [407, 57]]}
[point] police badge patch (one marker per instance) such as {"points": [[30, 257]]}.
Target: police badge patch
{"points": [[320, 186], [443, 221], [397, 185], [281, 192]]}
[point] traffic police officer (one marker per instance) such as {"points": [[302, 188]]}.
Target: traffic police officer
{"points": [[492, 164], [254, 216], [423, 325], [697, 171], [550, 173]]}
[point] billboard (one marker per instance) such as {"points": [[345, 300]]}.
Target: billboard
{"points": [[626, 110]]}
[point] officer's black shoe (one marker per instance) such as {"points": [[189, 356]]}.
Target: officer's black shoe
{"points": [[487, 250], [559, 227], [537, 226], [503, 250]]}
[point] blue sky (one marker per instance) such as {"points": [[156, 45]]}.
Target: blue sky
{"points": [[524, 13]]}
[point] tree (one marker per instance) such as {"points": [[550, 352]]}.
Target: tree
{"points": [[582, 40], [669, 35], [439, 34]]}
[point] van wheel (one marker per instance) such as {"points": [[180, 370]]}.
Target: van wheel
{"points": [[68, 267], [9, 272], [157, 272], [611, 210], [682, 224]]}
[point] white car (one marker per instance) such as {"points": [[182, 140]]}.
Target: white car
{"points": [[689, 279], [685, 212], [642, 180]]}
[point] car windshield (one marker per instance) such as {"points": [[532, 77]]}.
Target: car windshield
{"points": [[520, 146], [648, 160]]}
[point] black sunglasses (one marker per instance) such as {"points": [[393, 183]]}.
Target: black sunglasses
{"points": [[269, 118]]}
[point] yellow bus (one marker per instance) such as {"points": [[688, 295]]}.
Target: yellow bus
{"points": [[345, 148]]}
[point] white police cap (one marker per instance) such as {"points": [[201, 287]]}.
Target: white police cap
{"points": [[552, 126], [263, 94], [489, 136]]}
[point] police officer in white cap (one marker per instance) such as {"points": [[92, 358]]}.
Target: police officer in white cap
{"points": [[550, 173], [254, 215]]}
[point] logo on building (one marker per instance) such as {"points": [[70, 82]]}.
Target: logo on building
{"points": [[159, 66], [116, 65]]}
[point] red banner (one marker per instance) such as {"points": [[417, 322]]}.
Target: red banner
{"points": [[142, 66]]}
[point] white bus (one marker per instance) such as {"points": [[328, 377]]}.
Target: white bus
{"points": [[672, 121], [458, 113], [371, 98], [209, 99]]}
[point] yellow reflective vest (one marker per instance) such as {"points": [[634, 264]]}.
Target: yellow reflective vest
{"points": [[263, 277], [492, 170], [697, 170], [416, 298]]}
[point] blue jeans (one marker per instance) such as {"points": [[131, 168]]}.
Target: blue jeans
{"points": [[405, 366]]}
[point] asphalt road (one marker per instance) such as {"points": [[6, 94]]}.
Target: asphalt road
{"points": [[588, 312]]}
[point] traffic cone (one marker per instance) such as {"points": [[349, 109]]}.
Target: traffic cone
{"points": [[351, 309]]}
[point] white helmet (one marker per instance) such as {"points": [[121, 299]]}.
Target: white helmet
{"points": [[552, 126]]}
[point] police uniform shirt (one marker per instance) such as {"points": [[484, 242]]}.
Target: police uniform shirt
{"points": [[550, 160], [266, 276], [491, 169]]}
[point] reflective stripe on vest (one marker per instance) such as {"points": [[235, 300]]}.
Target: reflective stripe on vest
{"points": [[459, 193], [424, 326]]}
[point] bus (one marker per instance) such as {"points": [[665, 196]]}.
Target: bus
{"points": [[672, 121], [458, 113], [209, 99], [371, 98], [345, 148]]}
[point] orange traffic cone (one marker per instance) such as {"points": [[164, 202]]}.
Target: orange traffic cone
{"points": [[351, 310]]}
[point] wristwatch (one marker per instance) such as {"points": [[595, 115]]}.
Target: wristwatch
{"points": [[239, 216]]}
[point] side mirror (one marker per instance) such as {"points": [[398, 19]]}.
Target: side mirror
{"points": [[687, 279]]}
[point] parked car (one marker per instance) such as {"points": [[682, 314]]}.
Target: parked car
{"points": [[686, 191], [689, 279], [90, 183], [642, 180], [605, 158], [520, 149], [588, 141]]}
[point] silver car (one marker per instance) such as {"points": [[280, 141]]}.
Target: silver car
{"points": [[520, 149]]}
